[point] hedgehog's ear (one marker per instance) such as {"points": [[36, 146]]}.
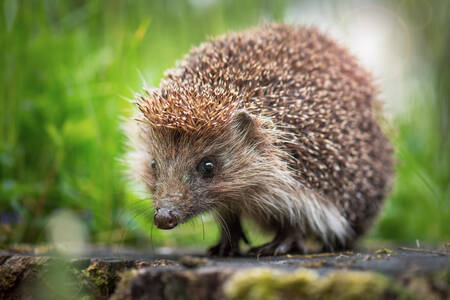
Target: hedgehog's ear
{"points": [[244, 123]]}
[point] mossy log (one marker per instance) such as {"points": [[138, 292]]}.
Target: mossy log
{"points": [[131, 274]]}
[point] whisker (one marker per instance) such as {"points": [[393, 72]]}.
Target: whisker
{"points": [[151, 237], [203, 227], [224, 227]]}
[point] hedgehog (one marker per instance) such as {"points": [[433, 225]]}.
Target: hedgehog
{"points": [[276, 124]]}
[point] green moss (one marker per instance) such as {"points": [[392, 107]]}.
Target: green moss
{"points": [[98, 275], [384, 251], [98, 279], [269, 284], [352, 285]]}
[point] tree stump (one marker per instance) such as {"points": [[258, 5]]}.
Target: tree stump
{"points": [[404, 273]]}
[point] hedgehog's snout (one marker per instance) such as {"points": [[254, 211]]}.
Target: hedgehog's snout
{"points": [[165, 218]]}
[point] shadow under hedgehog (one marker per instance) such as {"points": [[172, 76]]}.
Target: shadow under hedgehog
{"points": [[276, 124]]}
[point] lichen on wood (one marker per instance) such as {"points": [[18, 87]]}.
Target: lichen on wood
{"points": [[270, 284]]}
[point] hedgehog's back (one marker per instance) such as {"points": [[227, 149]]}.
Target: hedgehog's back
{"points": [[272, 61]]}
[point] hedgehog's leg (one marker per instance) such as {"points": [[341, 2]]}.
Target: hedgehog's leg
{"points": [[285, 241], [230, 237]]}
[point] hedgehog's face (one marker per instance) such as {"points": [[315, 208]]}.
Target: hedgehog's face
{"points": [[182, 174], [188, 173]]}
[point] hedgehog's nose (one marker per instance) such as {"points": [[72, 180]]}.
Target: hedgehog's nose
{"points": [[165, 218]]}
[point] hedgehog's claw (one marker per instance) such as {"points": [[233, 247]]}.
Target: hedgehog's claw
{"points": [[281, 245]]}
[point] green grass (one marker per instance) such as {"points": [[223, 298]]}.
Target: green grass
{"points": [[66, 67], [419, 206]]}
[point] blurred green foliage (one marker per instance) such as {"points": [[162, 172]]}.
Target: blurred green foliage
{"points": [[67, 67]]}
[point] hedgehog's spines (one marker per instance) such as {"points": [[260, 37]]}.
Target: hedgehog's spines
{"points": [[315, 104]]}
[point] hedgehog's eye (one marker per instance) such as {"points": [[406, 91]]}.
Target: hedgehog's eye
{"points": [[206, 167], [154, 167]]}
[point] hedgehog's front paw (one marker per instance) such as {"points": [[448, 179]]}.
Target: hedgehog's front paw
{"points": [[283, 243], [232, 233], [229, 243], [225, 248]]}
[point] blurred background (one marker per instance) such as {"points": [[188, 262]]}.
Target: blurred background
{"points": [[67, 68]]}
